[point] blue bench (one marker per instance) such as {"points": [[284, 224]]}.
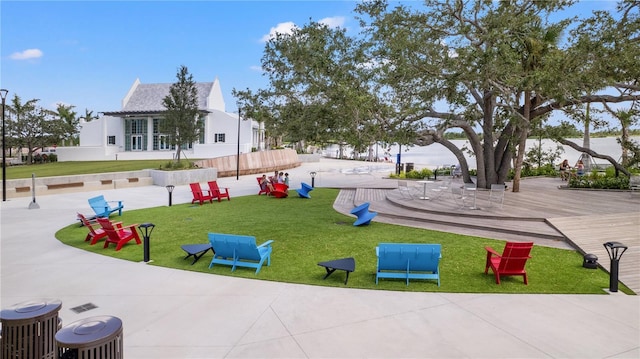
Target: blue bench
{"points": [[239, 251], [102, 207], [408, 261]]}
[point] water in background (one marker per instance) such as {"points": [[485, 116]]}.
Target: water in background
{"points": [[437, 155]]}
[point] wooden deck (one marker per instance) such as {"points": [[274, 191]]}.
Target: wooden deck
{"points": [[542, 212]]}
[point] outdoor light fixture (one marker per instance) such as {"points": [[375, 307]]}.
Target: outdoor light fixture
{"points": [[313, 179], [170, 190], [146, 229], [238, 154], [4, 93], [615, 251]]}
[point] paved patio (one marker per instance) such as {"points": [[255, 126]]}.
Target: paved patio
{"points": [[178, 314]]}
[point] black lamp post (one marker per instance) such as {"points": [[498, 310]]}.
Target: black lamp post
{"points": [[615, 251], [170, 190], [147, 228], [238, 152], [4, 93], [313, 179]]}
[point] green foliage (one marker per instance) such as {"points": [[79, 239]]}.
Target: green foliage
{"points": [[413, 174], [423, 173], [182, 120], [535, 156], [301, 241], [597, 181], [177, 165]]}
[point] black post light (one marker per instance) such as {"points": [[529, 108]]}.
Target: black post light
{"points": [[615, 251], [238, 152], [4, 93], [147, 228], [313, 179], [170, 190]]}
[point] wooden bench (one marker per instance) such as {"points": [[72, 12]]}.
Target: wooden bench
{"points": [[133, 179], [23, 189], [65, 185], [106, 181], [408, 261]]}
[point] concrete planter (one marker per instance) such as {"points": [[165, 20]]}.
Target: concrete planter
{"points": [[183, 177]]}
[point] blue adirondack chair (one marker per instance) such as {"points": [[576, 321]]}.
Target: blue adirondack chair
{"points": [[239, 251], [102, 207], [304, 190], [408, 261]]}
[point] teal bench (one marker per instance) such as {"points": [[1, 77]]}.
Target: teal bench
{"points": [[408, 261], [239, 251]]}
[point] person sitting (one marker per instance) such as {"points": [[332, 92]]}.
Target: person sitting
{"points": [[564, 170], [457, 171], [286, 179], [274, 179], [265, 184], [580, 168], [280, 177]]}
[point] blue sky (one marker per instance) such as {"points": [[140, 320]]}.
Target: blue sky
{"points": [[89, 53]]}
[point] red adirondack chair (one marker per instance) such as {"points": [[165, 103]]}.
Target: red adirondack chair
{"points": [[215, 191], [266, 189], [512, 261], [95, 234], [198, 194], [119, 235]]}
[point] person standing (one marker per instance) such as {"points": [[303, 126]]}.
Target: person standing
{"points": [[580, 168]]}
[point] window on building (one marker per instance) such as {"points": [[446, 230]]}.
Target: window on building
{"points": [[218, 137], [135, 132], [161, 141], [111, 140]]}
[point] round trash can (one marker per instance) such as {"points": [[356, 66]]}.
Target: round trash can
{"points": [[94, 337], [29, 329]]}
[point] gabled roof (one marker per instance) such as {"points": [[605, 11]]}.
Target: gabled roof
{"points": [[148, 97]]}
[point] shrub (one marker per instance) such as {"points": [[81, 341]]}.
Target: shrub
{"points": [[178, 165], [600, 182], [423, 173]]}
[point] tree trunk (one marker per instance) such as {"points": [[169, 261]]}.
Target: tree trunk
{"points": [[522, 141]]}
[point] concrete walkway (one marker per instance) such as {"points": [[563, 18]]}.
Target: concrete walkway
{"points": [[177, 314]]}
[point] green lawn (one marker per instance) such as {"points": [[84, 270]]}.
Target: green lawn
{"points": [[81, 167], [307, 231]]}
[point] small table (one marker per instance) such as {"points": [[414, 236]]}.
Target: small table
{"points": [[346, 264], [196, 250], [424, 192]]}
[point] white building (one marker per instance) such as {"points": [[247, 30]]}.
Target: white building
{"points": [[134, 132]]}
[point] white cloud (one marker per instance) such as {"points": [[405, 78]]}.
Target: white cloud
{"points": [[281, 28], [332, 22], [256, 68], [27, 54], [287, 27]]}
